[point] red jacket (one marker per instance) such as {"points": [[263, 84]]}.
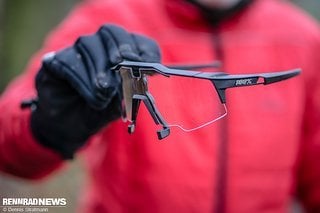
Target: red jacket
{"points": [[264, 151]]}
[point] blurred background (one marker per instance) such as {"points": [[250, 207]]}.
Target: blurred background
{"points": [[23, 27]]}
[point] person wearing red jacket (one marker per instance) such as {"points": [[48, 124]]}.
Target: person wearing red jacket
{"points": [[265, 152]]}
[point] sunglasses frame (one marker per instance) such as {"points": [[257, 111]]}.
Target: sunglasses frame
{"points": [[134, 77]]}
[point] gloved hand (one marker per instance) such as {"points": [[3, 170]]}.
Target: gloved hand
{"points": [[78, 94]]}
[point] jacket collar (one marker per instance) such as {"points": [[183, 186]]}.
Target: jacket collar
{"points": [[184, 14], [187, 14]]}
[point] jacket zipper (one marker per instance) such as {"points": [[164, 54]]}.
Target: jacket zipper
{"points": [[220, 202]]}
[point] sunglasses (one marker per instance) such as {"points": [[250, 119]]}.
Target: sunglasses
{"points": [[135, 90]]}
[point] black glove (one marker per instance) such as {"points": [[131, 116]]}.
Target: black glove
{"points": [[78, 94]]}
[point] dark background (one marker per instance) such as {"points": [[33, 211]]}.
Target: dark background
{"points": [[23, 26]]}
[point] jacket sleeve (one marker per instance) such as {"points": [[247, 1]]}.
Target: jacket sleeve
{"points": [[309, 159], [20, 154]]}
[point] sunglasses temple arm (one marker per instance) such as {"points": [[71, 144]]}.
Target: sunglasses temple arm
{"points": [[154, 112], [214, 64], [223, 82]]}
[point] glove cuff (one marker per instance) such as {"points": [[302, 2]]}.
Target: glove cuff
{"points": [[50, 135]]}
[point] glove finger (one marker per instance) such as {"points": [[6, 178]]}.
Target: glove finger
{"points": [[68, 66], [149, 50], [53, 92], [95, 59], [119, 44], [93, 55]]}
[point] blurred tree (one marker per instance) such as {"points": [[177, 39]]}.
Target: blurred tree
{"points": [[312, 6], [1, 39], [24, 24]]}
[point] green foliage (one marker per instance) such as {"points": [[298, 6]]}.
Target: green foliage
{"points": [[23, 26], [311, 6]]}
